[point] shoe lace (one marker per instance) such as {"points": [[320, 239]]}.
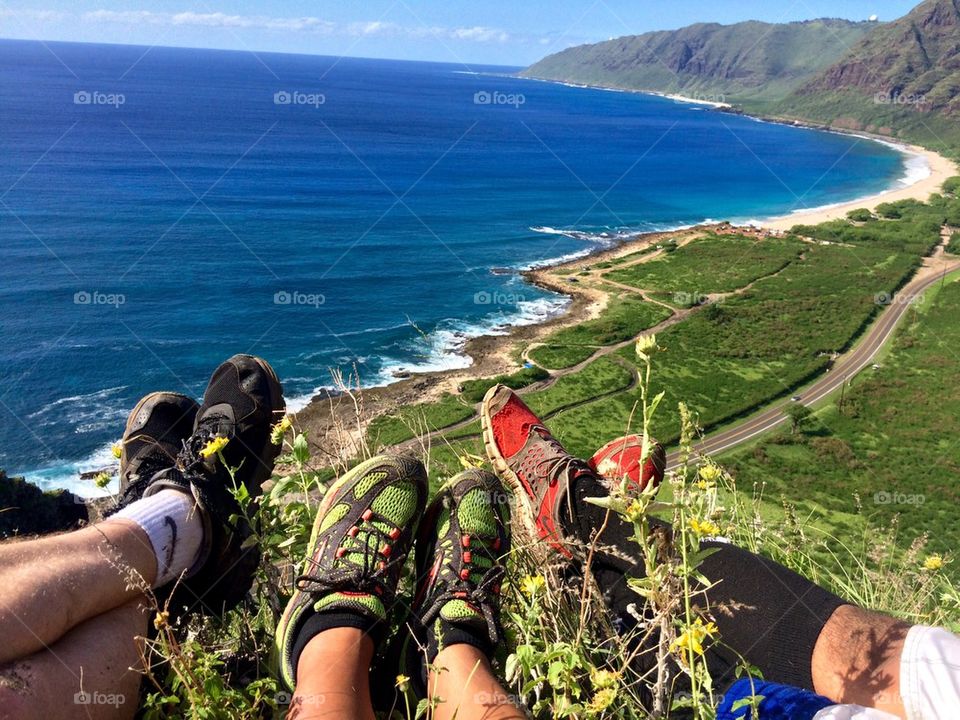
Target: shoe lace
{"points": [[481, 595], [150, 465], [559, 464], [368, 574], [190, 457]]}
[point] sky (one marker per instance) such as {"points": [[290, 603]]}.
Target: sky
{"points": [[495, 32]]}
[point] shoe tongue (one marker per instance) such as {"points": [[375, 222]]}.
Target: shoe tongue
{"points": [[218, 420], [363, 603], [458, 612]]}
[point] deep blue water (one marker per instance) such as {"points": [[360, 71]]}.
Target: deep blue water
{"points": [[186, 191]]}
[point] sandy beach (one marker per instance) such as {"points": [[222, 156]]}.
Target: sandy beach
{"points": [[940, 169]]}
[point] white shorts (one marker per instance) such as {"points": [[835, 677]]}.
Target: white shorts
{"points": [[930, 674], [929, 680]]}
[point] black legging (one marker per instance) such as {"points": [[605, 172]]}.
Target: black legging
{"points": [[766, 613]]}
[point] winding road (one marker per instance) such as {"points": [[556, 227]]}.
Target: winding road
{"points": [[845, 368]]}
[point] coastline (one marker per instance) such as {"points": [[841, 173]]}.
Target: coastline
{"points": [[331, 419], [939, 168], [338, 431]]}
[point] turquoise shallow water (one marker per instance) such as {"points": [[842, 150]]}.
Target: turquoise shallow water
{"points": [[163, 210]]}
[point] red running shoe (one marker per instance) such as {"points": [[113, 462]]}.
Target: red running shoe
{"points": [[621, 458], [532, 463]]}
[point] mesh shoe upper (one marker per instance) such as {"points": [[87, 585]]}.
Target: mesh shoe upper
{"points": [[621, 458], [155, 431], [460, 552], [361, 538]]}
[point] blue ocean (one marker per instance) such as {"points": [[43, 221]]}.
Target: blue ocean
{"points": [[162, 209]]}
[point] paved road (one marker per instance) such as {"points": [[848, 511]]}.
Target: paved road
{"points": [[848, 365]]}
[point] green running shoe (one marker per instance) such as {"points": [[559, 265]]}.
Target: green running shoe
{"points": [[361, 538], [462, 547]]}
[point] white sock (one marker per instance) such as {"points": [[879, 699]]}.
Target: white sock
{"points": [[172, 522]]}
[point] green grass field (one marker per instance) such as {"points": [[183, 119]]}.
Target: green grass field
{"points": [[892, 448], [729, 358], [711, 265], [626, 317]]}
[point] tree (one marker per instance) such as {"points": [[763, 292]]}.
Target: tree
{"points": [[799, 415]]}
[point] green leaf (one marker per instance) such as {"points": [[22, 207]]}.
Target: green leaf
{"points": [[301, 451]]}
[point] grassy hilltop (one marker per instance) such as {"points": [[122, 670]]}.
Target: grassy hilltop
{"points": [[859, 497]]}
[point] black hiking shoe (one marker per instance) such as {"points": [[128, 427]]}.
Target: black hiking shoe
{"points": [[229, 448]]}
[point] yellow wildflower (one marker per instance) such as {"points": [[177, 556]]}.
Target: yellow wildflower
{"points": [[280, 429], [116, 450], [161, 620], [602, 699], [101, 480], [532, 584], [645, 344], [601, 679], [634, 511], [403, 682], [471, 461], [692, 637], [709, 474], [214, 446], [933, 563], [704, 528]]}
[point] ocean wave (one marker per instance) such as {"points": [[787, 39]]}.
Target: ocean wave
{"points": [[66, 475], [85, 398], [443, 349], [916, 168]]}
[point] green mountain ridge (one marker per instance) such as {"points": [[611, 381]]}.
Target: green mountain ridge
{"points": [[747, 61], [900, 78]]}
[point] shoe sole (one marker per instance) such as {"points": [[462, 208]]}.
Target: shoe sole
{"points": [[326, 504], [529, 536], [270, 452]]}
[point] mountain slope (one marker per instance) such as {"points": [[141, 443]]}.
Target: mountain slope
{"points": [[904, 75], [749, 60]]}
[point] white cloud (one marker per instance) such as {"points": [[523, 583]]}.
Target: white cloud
{"points": [[477, 34]]}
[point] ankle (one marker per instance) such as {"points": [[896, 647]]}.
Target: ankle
{"points": [[172, 523], [341, 647], [459, 663]]}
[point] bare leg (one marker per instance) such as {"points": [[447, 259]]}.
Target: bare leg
{"points": [[88, 673], [465, 687], [52, 584], [857, 659], [333, 677]]}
